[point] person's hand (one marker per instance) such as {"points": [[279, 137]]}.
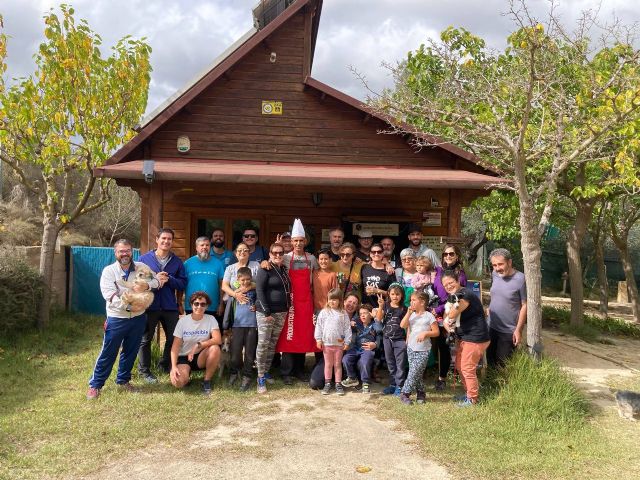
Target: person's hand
{"points": [[390, 270], [369, 346], [240, 297], [370, 289], [163, 277], [181, 311], [353, 323], [174, 374], [192, 352], [422, 337], [319, 344], [265, 265], [345, 347], [278, 239], [380, 300], [517, 337], [268, 319]]}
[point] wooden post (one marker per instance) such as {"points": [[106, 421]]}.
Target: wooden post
{"points": [[454, 214]]}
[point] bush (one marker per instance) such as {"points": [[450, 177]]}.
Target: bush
{"points": [[21, 290], [593, 326]]}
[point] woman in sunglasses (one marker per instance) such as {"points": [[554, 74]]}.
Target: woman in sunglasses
{"points": [[451, 262], [196, 344], [230, 285], [375, 277], [273, 289], [348, 270]]}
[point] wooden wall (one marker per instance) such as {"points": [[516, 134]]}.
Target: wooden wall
{"points": [[277, 205]]}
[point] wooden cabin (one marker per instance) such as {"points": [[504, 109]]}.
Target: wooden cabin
{"points": [[257, 141]]}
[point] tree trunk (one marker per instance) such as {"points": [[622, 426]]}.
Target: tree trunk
{"points": [[47, 251], [531, 254], [603, 283], [584, 210], [627, 265]]}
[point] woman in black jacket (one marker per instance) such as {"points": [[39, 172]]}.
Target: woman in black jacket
{"points": [[273, 291]]}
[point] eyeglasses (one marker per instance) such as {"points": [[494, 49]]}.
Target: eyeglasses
{"points": [[200, 304], [376, 252], [242, 250], [278, 253], [250, 235], [346, 255], [449, 254]]}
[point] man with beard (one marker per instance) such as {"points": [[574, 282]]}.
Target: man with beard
{"points": [[123, 328], [219, 252], [390, 255], [336, 238], [508, 307], [365, 240], [415, 243], [205, 273]]}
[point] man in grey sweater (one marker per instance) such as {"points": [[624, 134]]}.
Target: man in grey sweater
{"points": [[123, 327]]}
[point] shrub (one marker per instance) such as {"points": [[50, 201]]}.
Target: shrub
{"points": [[21, 290]]}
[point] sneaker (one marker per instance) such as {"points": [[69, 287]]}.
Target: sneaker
{"points": [[93, 393], [465, 403], [350, 382], [339, 389], [390, 390], [397, 392], [206, 388], [233, 378], [287, 380], [246, 383], [405, 398], [440, 385], [366, 388], [327, 389], [269, 379], [421, 397], [149, 378], [262, 385], [127, 387], [460, 398]]}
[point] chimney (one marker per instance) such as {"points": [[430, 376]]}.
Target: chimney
{"points": [[267, 10]]}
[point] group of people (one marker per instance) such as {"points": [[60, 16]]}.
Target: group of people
{"points": [[355, 308]]}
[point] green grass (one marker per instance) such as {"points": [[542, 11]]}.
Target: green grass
{"points": [[532, 423], [593, 326], [49, 429]]}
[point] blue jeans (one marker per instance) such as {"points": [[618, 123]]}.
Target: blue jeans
{"points": [[362, 362], [118, 332]]}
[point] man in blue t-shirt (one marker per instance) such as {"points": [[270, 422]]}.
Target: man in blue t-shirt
{"points": [[218, 251], [204, 273]]}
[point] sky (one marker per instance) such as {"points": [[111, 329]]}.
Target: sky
{"points": [[187, 35]]}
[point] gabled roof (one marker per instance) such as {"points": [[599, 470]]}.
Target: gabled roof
{"points": [[220, 65]]}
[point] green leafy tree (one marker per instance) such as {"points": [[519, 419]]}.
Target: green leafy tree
{"points": [[67, 118], [546, 102]]}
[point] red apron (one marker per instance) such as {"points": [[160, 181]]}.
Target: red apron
{"points": [[298, 330]]}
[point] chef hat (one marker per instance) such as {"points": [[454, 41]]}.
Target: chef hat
{"points": [[298, 229]]}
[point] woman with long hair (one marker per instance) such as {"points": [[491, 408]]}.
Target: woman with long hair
{"points": [[451, 262]]}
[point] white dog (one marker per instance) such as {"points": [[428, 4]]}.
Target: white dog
{"points": [[142, 300]]}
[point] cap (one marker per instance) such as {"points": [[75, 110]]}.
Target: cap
{"points": [[365, 234], [407, 252], [414, 227], [285, 235]]}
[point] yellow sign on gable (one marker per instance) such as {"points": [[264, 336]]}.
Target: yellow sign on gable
{"points": [[270, 107]]}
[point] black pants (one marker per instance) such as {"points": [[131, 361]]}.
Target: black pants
{"points": [[500, 348], [168, 319], [444, 353], [243, 338], [292, 364]]}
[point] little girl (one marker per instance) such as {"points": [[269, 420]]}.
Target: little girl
{"points": [[395, 348], [422, 280], [333, 336], [421, 325]]}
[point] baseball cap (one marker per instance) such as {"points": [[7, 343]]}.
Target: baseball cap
{"points": [[365, 234]]}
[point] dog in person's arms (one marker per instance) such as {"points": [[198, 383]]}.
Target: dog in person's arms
{"points": [[137, 301]]}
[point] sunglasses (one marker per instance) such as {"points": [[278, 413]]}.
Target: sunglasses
{"points": [[278, 253], [449, 254], [376, 252], [251, 235], [243, 250], [200, 304], [346, 254]]}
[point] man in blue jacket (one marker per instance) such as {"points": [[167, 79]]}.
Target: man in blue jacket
{"points": [[170, 273]]}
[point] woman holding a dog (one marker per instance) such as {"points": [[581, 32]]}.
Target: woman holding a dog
{"points": [[451, 260], [472, 334]]}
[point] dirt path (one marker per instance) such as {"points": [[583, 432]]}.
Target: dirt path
{"points": [[308, 437], [595, 365]]}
